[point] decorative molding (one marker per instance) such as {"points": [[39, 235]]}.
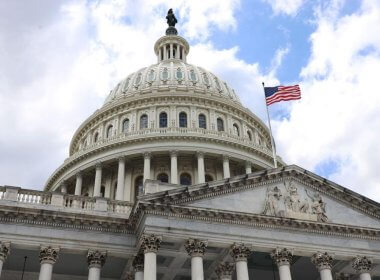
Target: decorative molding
{"points": [[240, 252], [48, 254], [282, 256], [225, 270], [138, 262], [196, 247], [150, 243], [5, 249], [362, 264], [96, 258], [322, 260]]}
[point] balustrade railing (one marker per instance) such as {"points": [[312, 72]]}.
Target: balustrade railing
{"points": [[33, 197]]}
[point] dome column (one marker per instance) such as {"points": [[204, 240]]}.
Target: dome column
{"points": [[226, 167], [120, 179], [4, 252], [64, 187], [147, 158], [201, 167], [196, 249], [173, 167], [363, 266], [48, 257], [240, 254], [283, 258], [98, 180], [78, 184], [323, 262], [248, 167]]}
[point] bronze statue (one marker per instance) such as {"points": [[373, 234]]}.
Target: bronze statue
{"points": [[171, 19]]}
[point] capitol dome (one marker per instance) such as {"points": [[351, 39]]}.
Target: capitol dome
{"points": [[173, 122]]}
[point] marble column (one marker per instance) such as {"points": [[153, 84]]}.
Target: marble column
{"points": [[165, 53], [120, 179], [226, 167], [323, 262], [138, 266], [248, 167], [98, 180], [201, 167], [171, 51], [173, 167], [150, 245], [196, 250], [147, 157], [48, 257], [283, 258], [4, 252], [363, 267], [224, 271], [78, 184], [240, 254], [64, 187], [95, 260]]}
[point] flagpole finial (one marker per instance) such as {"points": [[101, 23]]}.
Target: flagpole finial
{"points": [[263, 84]]}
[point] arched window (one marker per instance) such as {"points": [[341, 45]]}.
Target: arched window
{"points": [[163, 119], [126, 125], [202, 121], [143, 121], [185, 179], [249, 135], [220, 124], [208, 178], [96, 136], [163, 177], [102, 191], [109, 131], [182, 119], [139, 186], [236, 129]]}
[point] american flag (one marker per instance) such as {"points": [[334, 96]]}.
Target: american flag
{"points": [[281, 93]]}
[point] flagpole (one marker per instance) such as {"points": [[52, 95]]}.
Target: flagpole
{"points": [[270, 131]]}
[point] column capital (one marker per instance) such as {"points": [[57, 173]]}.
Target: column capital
{"points": [[79, 173], [362, 264], [138, 262], [225, 270], [5, 249], [248, 163], [196, 247], [121, 158], [96, 258], [48, 254], [173, 153], [226, 157], [150, 243], [282, 256], [322, 260], [98, 165], [200, 154], [240, 252], [147, 155]]}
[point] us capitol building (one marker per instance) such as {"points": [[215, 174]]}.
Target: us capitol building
{"points": [[173, 179]]}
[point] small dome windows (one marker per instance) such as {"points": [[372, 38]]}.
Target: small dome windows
{"points": [[235, 128], [138, 79], [182, 119], [96, 137], [151, 76], [220, 124], [144, 121], [179, 74], [192, 75], [163, 120], [217, 84], [126, 125], [109, 131], [202, 121], [206, 79], [165, 74]]}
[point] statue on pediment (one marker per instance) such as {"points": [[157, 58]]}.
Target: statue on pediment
{"points": [[318, 207], [272, 199], [293, 201]]}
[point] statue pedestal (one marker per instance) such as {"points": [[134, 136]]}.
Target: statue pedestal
{"points": [[171, 31]]}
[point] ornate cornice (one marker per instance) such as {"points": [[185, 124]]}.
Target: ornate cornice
{"points": [[138, 262], [96, 258], [240, 252], [282, 256], [196, 247], [362, 264], [225, 270], [150, 243], [322, 260], [5, 249], [48, 254]]}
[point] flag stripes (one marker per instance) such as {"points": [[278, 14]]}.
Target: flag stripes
{"points": [[281, 93]]}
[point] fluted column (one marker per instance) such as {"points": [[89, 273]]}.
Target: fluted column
{"points": [[201, 167], [283, 258], [226, 167], [150, 245], [224, 271], [173, 167], [138, 266], [120, 179], [48, 257], [248, 167], [147, 157], [196, 250], [171, 51], [95, 260], [98, 179], [165, 53], [323, 262], [78, 184], [363, 267], [4, 252], [240, 254]]}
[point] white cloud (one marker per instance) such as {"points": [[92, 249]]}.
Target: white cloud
{"points": [[338, 119], [288, 7]]}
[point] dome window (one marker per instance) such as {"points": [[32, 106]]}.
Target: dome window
{"points": [[193, 76], [96, 136], [165, 74], [163, 119], [185, 179], [163, 177], [220, 124], [151, 76], [138, 79], [126, 125], [206, 79], [236, 129], [126, 85], [202, 121], [218, 87], [143, 121], [182, 119], [179, 74], [249, 135], [208, 178], [109, 131]]}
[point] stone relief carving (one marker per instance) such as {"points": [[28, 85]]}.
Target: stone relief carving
{"points": [[288, 202]]}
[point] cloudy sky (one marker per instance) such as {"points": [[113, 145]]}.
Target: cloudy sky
{"points": [[59, 60]]}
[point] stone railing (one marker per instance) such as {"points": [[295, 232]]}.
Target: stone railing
{"points": [[67, 202]]}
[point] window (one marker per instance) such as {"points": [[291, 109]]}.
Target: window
{"points": [[179, 74], [102, 191], [139, 186], [208, 178], [165, 74], [249, 135], [182, 119], [163, 119], [151, 76], [236, 129], [163, 177], [138, 79], [143, 121], [96, 136], [202, 121], [193, 76], [126, 125], [220, 124], [109, 131], [185, 179]]}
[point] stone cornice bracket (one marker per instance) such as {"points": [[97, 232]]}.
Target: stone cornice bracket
{"points": [[362, 264], [96, 258], [282, 256], [48, 254], [5, 249], [322, 260], [240, 252], [225, 270], [138, 262], [150, 243], [196, 247]]}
